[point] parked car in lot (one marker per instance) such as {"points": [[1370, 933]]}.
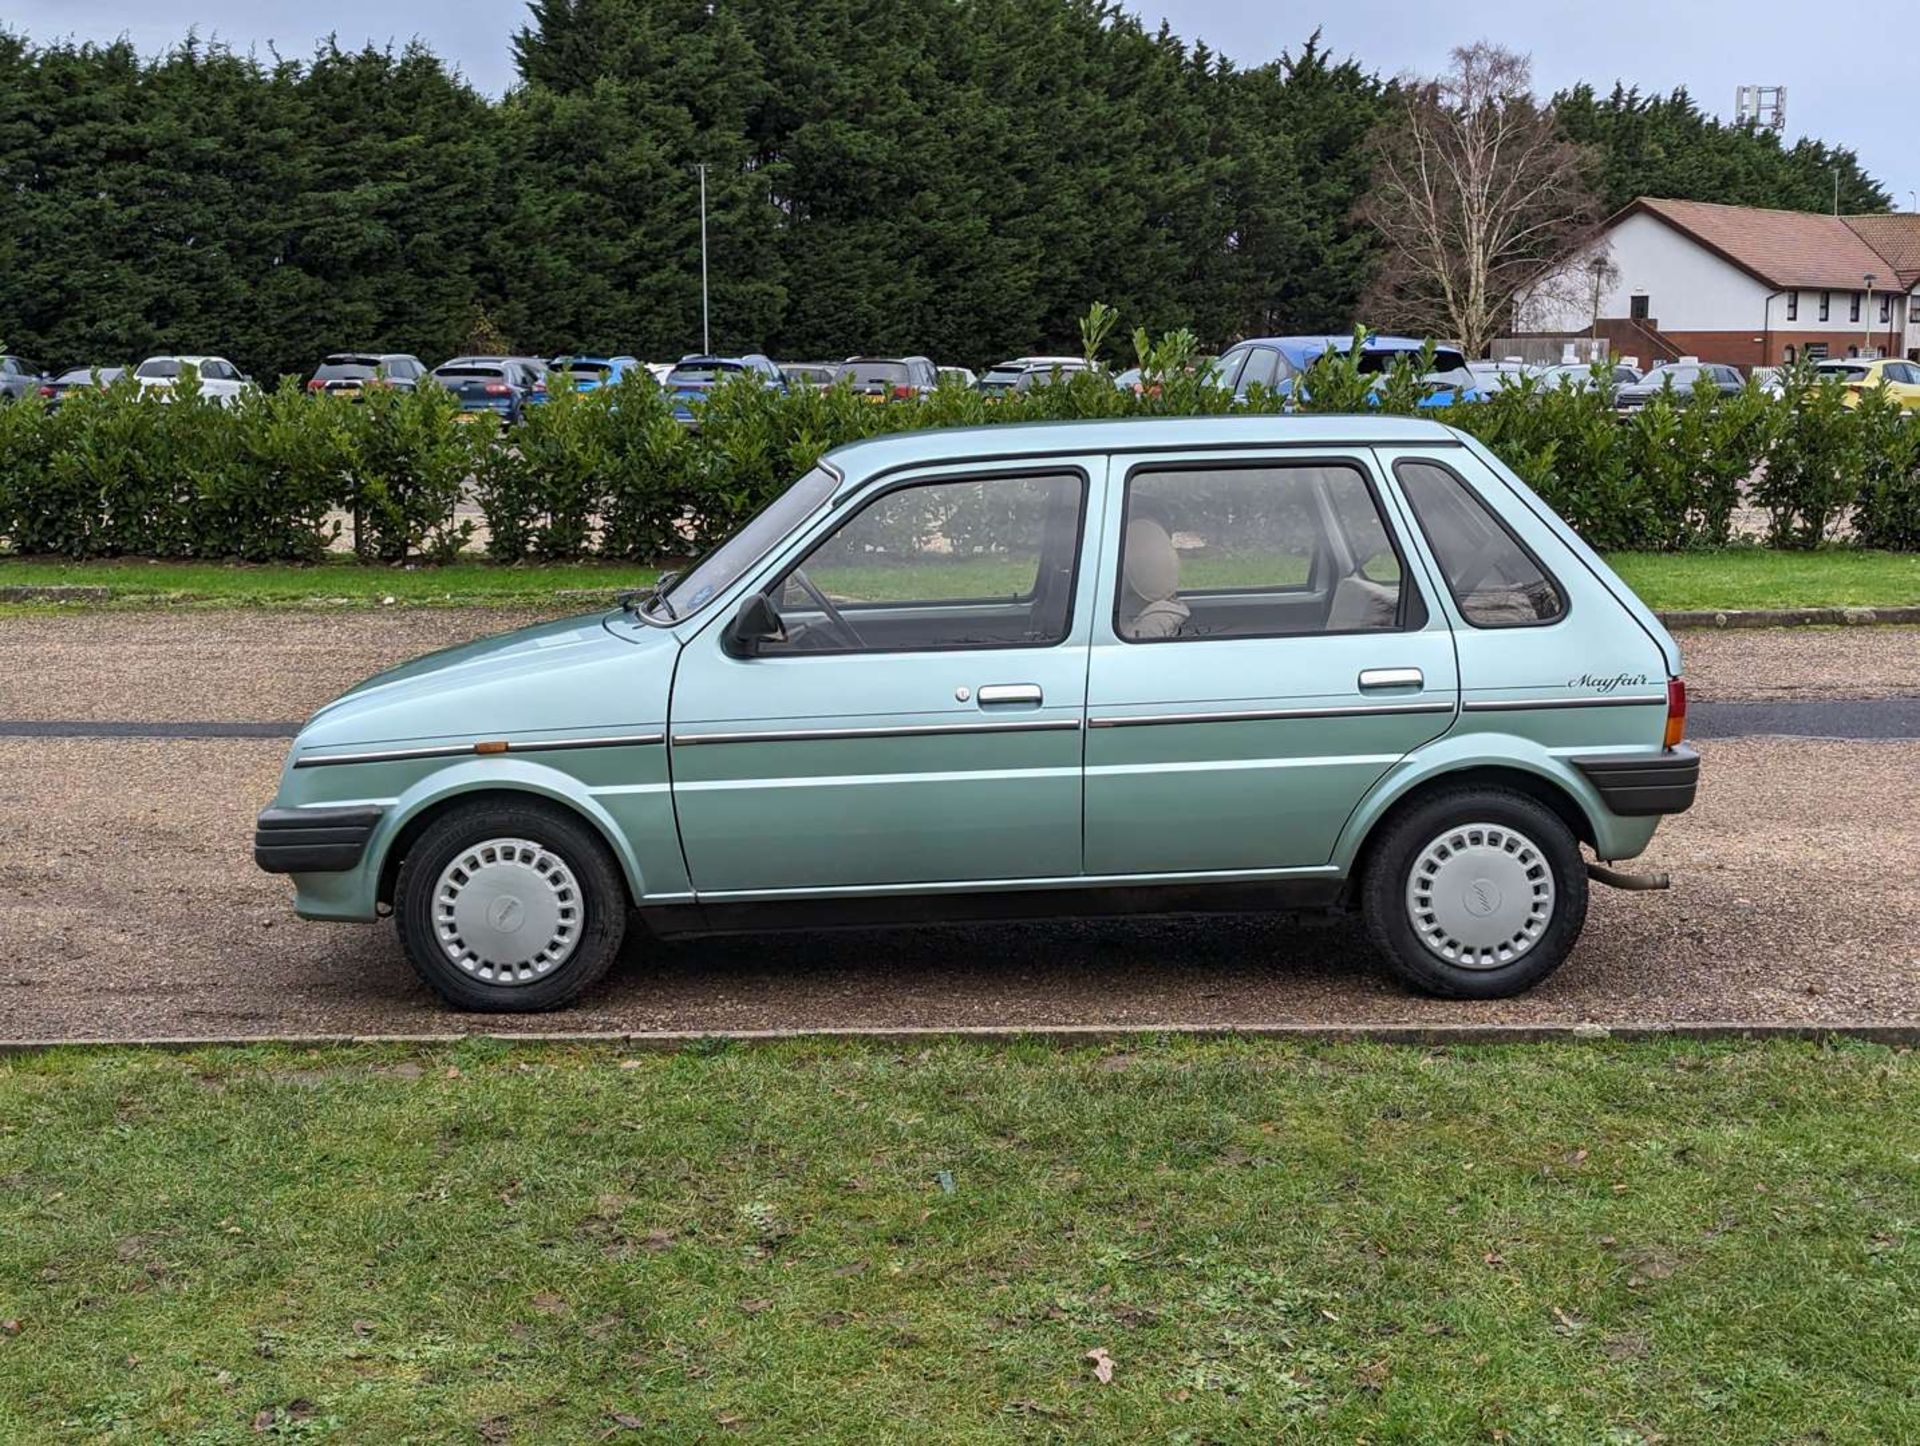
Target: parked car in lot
{"points": [[535, 368], [590, 373], [1681, 378], [220, 379], [1492, 376], [818, 375], [1862, 375], [1024, 373], [888, 379], [959, 377], [56, 388], [694, 376], [493, 387], [1171, 664], [1278, 363], [19, 378], [349, 372]]}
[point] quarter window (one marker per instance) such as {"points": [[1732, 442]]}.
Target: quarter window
{"points": [[976, 563], [1256, 552], [1494, 580], [1262, 364]]}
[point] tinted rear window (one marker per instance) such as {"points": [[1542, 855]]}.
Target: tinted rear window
{"points": [[589, 369], [864, 373], [354, 371], [164, 368], [490, 374], [704, 372]]}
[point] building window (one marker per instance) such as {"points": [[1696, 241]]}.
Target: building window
{"points": [[1816, 351], [1826, 305], [1793, 306], [1853, 306], [1791, 354], [1886, 307], [1637, 308]]}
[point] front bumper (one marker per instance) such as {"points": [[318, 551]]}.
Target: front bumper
{"points": [[313, 840], [1642, 786]]}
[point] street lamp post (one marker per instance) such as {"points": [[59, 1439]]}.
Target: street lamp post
{"points": [[706, 336]]}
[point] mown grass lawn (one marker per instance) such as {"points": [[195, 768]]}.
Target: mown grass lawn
{"points": [[1747, 577], [842, 1242]]}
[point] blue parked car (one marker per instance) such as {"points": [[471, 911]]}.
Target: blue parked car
{"points": [[694, 376], [1277, 362], [1167, 665], [590, 373]]}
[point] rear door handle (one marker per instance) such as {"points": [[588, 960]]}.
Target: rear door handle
{"points": [[1373, 679], [1000, 694]]}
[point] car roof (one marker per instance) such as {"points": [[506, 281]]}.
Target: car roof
{"points": [[1298, 349], [859, 460]]}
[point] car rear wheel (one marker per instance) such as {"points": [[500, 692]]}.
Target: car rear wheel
{"points": [[509, 906], [1475, 894]]}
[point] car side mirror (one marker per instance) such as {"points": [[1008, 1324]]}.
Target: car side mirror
{"points": [[757, 622]]}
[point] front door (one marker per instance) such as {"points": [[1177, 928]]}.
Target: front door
{"points": [[921, 721], [1263, 653]]}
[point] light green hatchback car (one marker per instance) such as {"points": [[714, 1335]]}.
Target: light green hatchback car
{"points": [[1181, 665]]}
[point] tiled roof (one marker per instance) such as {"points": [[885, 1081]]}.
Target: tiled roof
{"points": [[1896, 237], [1782, 248]]}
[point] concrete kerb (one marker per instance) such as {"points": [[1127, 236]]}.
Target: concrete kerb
{"points": [[1066, 1036]]}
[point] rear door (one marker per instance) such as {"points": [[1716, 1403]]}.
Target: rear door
{"points": [[1265, 650]]}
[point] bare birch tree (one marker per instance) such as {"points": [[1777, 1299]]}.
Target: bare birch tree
{"points": [[1475, 191]]}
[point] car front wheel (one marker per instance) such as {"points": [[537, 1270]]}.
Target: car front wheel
{"points": [[509, 906], [1475, 893]]}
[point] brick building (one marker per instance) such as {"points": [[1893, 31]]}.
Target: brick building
{"points": [[1737, 284]]}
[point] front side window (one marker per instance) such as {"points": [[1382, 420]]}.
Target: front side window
{"points": [[982, 562], [1494, 579], [1267, 551]]}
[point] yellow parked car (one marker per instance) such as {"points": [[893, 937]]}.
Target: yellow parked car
{"points": [[1861, 375]]}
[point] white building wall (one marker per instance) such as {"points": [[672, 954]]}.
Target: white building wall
{"points": [[1687, 287]]}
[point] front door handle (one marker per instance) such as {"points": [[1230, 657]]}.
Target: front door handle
{"points": [[1373, 679], [1001, 694]]}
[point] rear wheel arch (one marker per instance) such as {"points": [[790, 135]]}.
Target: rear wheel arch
{"points": [[1539, 787]]}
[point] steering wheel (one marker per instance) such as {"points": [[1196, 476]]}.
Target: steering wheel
{"points": [[846, 631]]}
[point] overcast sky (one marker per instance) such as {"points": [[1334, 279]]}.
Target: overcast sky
{"points": [[1843, 83]]}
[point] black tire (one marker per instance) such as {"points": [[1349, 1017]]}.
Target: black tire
{"points": [[596, 931], [1399, 847]]}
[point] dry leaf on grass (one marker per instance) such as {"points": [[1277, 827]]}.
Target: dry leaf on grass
{"points": [[1102, 1365]]}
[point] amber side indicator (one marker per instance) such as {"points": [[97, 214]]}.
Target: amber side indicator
{"points": [[501, 747], [1676, 711]]}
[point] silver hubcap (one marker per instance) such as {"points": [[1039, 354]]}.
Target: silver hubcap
{"points": [[507, 911], [1480, 895]]}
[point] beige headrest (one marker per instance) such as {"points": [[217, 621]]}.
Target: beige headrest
{"points": [[1152, 565]]}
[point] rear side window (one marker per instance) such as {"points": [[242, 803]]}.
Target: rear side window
{"points": [[1261, 551], [1494, 579]]}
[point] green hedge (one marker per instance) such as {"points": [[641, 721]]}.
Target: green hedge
{"points": [[612, 474]]}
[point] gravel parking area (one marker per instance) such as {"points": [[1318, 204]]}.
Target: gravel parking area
{"points": [[129, 907], [260, 666]]}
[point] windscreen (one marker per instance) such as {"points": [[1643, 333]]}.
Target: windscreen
{"points": [[721, 568]]}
